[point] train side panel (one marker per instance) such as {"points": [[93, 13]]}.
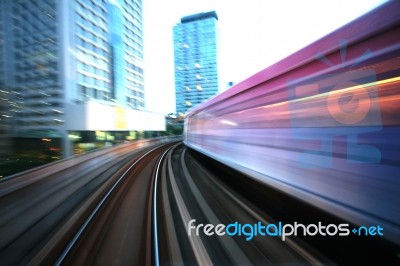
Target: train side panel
{"points": [[326, 131]]}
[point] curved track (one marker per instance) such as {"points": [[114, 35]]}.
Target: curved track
{"points": [[118, 232], [135, 208], [190, 191], [196, 187], [41, 210]]}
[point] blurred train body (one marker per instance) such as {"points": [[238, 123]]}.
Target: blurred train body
{"points": [[321, 125]]}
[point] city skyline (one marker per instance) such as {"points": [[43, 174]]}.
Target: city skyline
{"points": [[73, 67], [238, 60], [254, 35]]}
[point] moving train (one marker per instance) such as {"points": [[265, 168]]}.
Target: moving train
{"points": [[321, 124]]}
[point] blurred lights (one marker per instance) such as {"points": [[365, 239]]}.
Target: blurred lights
{"points": [[227, 122], [44, 94], [58, 111], [45, 103], [100, 135], [74, 137]]}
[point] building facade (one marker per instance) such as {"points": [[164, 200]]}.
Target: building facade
{"points": [[5, 120], [58, 56], [196, 60]]}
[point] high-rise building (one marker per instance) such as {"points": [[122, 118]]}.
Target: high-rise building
{"points": [[195, 57], [74, 65]]}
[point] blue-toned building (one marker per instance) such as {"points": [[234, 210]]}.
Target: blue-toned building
{"points": [[196, 60], [126, 52], [72, 66]]}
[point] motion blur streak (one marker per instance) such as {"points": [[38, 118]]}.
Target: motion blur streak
{"points": [[321, 125], [308, 142], [41, 210]]}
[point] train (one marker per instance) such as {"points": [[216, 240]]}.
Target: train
{"points": [[322, 124]]}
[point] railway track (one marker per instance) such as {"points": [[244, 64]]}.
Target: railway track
{"points": [[188, 191], [195, 192], [41, 211], [136, 210], [119, 230]]}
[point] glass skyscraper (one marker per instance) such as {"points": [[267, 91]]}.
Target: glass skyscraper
{"points": [[195, 58], [126, 51], [66, 64], [29, 63], [108, 45]]}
